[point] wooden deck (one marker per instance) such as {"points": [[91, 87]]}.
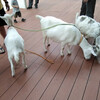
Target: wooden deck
{"points": [[69, 78]]}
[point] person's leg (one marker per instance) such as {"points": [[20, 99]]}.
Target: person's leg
{"points": [[36, 3], [3, 34], [30, 4], [2, 23], [15, 16], [20, 15], [90, 8], [83, 9], [3, 31]]}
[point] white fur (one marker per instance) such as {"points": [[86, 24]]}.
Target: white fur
{"points": [[14, 43], [88, 26], [65, 34], [87, 49]]}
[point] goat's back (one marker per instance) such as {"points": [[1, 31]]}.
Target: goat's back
{"points": [[64, 33], [14, 42], [88, 26], [50, 21], [60, 33]]}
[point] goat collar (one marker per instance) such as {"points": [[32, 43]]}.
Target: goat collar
{"points": [[9, 26], [80, 39]]}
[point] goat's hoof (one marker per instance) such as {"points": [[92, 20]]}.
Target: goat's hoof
{"points": [[45, 51], [87, 58], [48, 45], [13, 75], [62, 56], [69, 53], [25, 68]]}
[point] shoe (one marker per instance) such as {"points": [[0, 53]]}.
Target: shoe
{"points": [[29, 7], [15, 21], [36, 6], [23, 20], [2, 50]]}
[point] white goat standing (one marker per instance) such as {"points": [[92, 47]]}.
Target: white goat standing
{"points": [[88, 26], [65, 34], [14, 43]]}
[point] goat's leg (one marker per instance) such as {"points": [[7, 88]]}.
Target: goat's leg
{"points": [[44, 43], [23, 61], [69, 49], [62, 49], [48, 44], [12, 66]]}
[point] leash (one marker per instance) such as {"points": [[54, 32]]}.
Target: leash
{"points": [[41, 29], [40, 56], [38, 31]]}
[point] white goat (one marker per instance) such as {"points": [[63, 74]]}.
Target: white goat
{"points": [[65, 34], [14, 43], [88, 26]]}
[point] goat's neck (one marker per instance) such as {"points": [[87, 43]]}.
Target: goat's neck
{"points": [[84, 44]]}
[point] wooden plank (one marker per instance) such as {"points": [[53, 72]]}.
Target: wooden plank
{"points": [[54, 85], [81, 82], [70, 78], [93, 83], [98, 94]]}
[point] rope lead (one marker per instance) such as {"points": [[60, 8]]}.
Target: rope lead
{"points": [[41, 29]]}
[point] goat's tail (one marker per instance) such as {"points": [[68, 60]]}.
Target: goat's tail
{"points": [[38, 16], [16, 57]]}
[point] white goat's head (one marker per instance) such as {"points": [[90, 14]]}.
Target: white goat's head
{"points": [[88, 52], [8, 19]]}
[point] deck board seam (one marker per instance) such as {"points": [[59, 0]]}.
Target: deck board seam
{"points": [[87, 81], [75, 80], [98, 91]]}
